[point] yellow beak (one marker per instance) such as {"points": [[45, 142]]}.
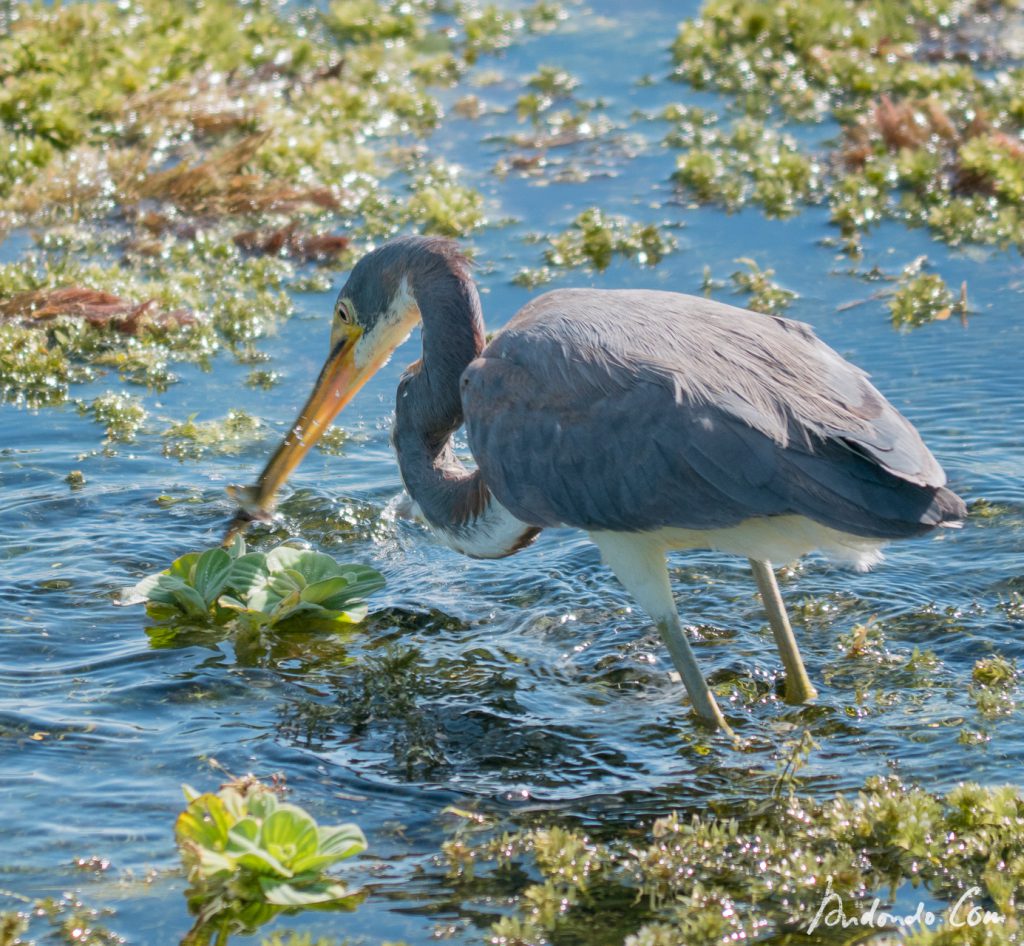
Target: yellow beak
{"points": [[339, 380]]}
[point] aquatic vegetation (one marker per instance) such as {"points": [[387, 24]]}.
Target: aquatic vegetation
{"points": [[318, 139], [928, 139], [12, 925], [765, 870], [994, 671], [749, 162], [67, 920], [292, 242], [191, 439], [332, 441], [596, 237], [922, 297], [122, 414], [531, 278], [257, 589], [291, 938], [65, 320], [441, 205], [764, 294], [993, 687], [491, 27], [98, 309], [249, 856], [262, 378], [32, 371], [210, 168], [803, 60]]}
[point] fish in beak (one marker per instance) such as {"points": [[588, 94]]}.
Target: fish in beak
{"points": [[340, 378], [357, 353]]}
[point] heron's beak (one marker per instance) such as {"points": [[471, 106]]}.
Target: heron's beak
{"points": [[340, 378]]}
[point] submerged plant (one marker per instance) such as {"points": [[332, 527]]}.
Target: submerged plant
{"points": [[122, 414], [595, 238], [921, 298], [249, 856], [764, 874], [765, 294], [190, 439], [257, 589], [66, 919]]}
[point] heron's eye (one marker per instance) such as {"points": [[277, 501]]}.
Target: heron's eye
{"points": [[342, 313]]}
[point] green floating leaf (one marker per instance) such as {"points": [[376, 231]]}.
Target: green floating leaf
{"points": [[316, 893], [256, 590], [319, 591], [245, 846], [246, 571], [289, 834], [211, 574]]}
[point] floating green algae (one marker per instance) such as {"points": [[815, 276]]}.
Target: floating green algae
{"points": [[930, 140], [923, 297], [441, 205], [68, 919], [191, 439], [239, 144], [749, 162], [32, 371], [121, 414], [763, 293], [596, 237], [808, 59], [764, 873]]}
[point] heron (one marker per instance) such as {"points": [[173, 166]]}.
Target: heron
{"points": [[654, 421]]}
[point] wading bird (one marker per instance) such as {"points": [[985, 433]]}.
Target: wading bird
{"points": [[651, 420]]}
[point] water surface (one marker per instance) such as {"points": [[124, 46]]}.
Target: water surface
{"points": [[534, 685]]}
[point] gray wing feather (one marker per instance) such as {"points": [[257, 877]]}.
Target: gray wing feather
{"points": [[635, 410]]}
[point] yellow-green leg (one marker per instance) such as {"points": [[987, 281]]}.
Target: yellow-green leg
{"points": [[799, 688]]}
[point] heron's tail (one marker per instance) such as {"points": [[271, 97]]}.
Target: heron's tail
{"points": [[947, 509]]}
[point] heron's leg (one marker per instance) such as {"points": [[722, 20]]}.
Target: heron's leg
{"points": [[799, 688], [640, 565]]}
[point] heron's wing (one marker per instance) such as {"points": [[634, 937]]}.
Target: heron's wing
{"points": [[698, 417]]}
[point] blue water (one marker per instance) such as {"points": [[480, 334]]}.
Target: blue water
{"points": [[536, 686]]}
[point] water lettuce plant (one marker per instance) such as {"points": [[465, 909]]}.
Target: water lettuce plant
{"points": [[259, 589], [249, 856]]}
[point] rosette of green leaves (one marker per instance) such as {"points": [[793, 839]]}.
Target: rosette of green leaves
{"points": [[193, 584], [262, 589], [297, 582], [249, 856]]}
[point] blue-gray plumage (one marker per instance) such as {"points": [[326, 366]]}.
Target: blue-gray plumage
{"points": [[652, 420], [635, 410]]}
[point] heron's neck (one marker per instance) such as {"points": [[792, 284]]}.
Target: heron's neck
{"points": [[453, 499]]}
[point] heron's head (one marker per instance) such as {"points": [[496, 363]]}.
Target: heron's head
{"points": [[374, 313]]}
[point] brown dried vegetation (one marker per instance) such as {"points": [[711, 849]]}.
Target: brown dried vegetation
{"points": [[292, 242], [99, 309], [901, 124], [218, 186]]}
